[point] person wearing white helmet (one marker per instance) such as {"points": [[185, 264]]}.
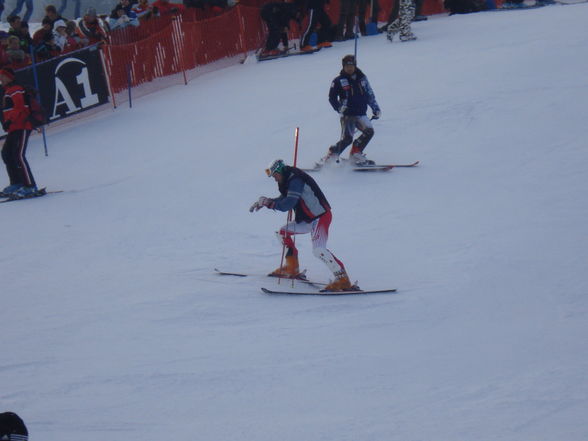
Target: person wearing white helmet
{"points": [[312, 214]]}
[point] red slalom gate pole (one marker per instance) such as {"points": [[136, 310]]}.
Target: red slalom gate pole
{"points": [[289, 217]]}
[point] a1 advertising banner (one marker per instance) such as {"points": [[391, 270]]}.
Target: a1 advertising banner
{"points": [[68, 84]]}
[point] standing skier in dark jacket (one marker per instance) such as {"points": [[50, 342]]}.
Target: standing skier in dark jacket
{"points": [[350, 95], [317, 16], [312, 214]]}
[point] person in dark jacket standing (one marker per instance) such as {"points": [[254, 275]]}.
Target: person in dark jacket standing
{"points": [[15, 122], [277, 17], [350, 95], [12, 427], [312, 214], [317, 16]]}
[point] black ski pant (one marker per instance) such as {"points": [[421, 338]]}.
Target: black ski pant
{"points": [[275, 31], [349, 124], [275, 34], [14, 156], [324, 33]]}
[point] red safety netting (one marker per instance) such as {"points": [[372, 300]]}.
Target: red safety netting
{"points": [[170, 45]]}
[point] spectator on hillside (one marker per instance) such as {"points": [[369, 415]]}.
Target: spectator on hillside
{"points": [[71, 29], [19, 5], [164, 7], [277, 17], [360, 13], [345, 27], [24, 35], [52, 14], [406, 11], [143, 10], [17, 58], [15, 122], [375, 12], [319, 21], [122, 16], [47, 49], [418, 14], [14, 21], [91, 28], [59, 34], [20, 29], [3, 46], [46, 28], [65, 42]]}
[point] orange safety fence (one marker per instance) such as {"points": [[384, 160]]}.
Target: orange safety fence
{"points": [[164, 46]]}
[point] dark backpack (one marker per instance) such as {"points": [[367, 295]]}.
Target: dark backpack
{"points": [[37, 116]]}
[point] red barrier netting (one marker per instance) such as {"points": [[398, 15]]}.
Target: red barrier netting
{"points": [[164, 46], [142, 61]]}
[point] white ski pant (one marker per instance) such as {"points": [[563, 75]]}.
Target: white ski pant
{"points": [[319, 234]]}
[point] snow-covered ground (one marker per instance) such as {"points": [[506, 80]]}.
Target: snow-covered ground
{"points": [[114, 325]]}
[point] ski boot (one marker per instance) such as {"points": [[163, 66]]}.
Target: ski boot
{"points": [[25, 192], [10, 190], [358, 159], [330, 158], [289, 271], [341, 283], [408, 37]]}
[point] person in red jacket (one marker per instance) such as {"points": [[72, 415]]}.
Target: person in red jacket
{"points": [[15, 121], [90, 28]]}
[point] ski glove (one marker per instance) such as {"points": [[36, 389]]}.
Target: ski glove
{"points": [[262, 202], [377, 114]]}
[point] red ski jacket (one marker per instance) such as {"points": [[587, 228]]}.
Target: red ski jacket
{"points": [[14, 109]]}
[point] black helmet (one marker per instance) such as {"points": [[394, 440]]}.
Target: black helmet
{"points": [[348, 60]]}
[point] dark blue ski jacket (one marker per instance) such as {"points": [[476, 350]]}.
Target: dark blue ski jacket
{"points": [[352, 94], [300, 192]]}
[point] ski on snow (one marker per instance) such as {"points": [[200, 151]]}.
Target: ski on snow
{"points": [[367, 168], [308, 282], [302, 277], [37, 194], [287, 53], [329, 293]]}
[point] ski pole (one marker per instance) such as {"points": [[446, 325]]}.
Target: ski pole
{"points": [[289, 217], [36, 79], [356, 28]]}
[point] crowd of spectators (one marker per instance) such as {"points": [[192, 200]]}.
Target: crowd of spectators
{"points": [[58, 35]]}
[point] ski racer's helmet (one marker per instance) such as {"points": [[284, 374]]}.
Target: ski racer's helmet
{"points": [[349, 60], [276, 166]]}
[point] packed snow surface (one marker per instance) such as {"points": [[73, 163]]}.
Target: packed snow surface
{"points": [[115, 326]]}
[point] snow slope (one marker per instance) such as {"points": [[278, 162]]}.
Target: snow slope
{"points": [[115, 326]]}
